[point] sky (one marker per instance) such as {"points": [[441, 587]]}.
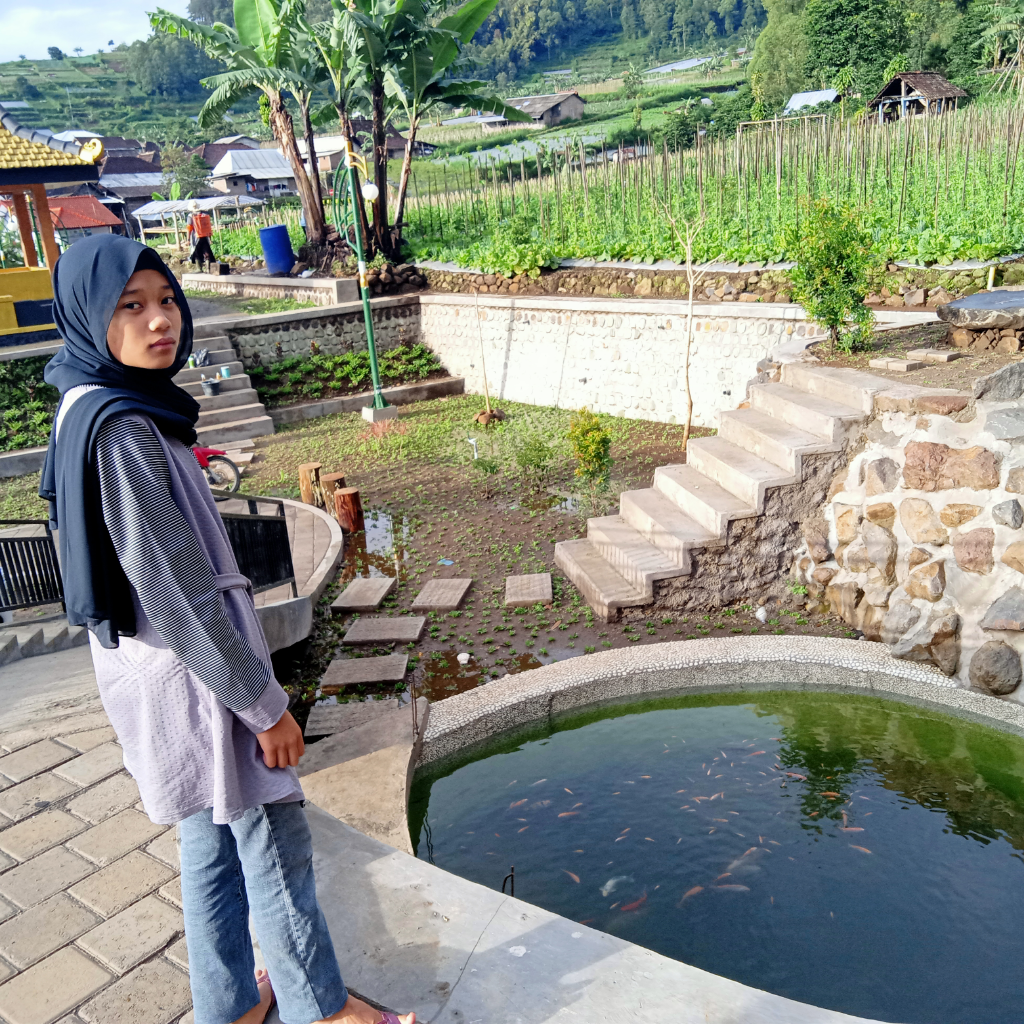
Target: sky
{"points": [[30, 27]]}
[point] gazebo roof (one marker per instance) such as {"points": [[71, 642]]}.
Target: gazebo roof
{"points": [[28, 157]]}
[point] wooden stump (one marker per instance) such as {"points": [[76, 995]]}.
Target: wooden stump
{"points": [[309, 483], [329, 483], [349, 509]]}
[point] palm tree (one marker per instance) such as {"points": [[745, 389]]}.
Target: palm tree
{"points": [[270, 49]]}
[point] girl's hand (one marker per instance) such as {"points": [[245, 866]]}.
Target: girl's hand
{"points": [[282, 744]]}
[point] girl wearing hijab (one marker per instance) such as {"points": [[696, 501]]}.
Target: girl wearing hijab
{"points": [[181, 661]]}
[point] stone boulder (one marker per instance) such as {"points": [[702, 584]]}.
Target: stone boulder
{"points": [[1005, 385], [1008, 513], [815, 533], [1006, 612], [936, 640], [927, 582], [883, 514], [921, 523], [868, 619], [958, 514], [1013, 556], [917, 556], [937, 467], [856, 557], [1006, 424], [899, 619], [843, 599], [881, 476], [847, 521], [985, 310], [881, 548], [995, 669], [973, 550], [1015, 480]]}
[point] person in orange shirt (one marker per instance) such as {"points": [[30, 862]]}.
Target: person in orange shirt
{"points": [[200, 231]]}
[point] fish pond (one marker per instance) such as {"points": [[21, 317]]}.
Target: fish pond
{"points": [[854, 853]]}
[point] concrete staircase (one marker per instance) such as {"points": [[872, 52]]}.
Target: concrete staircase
{"points": [[236, 414], [26, 640], [810, 411]]}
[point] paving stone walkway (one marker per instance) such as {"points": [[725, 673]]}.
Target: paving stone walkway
{"points": [[91, 930]]}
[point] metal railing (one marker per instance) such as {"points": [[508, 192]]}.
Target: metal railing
{"points": [[260, 542], [29, 569]]}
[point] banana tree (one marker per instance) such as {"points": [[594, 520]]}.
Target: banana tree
{"points": [[417, 80], [270, 49]]}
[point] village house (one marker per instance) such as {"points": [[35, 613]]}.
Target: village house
{"points": [[915, 92], [549, 110]]}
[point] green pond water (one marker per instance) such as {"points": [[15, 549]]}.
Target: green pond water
{"points": [[858, 854]]}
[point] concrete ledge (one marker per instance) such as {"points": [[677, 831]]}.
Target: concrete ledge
{"points": [[721, 664], [314, 587], [286, 622], [402, 394], [325, 291], [22, 461], [212, 327], [414, 937]]}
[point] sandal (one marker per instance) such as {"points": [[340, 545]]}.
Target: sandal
{"points": [[386, 1017]]}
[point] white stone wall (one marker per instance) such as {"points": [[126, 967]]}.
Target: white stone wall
{"points": [[619, 356]]}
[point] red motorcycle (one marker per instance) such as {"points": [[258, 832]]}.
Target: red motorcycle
{"points": [[221, 472]]}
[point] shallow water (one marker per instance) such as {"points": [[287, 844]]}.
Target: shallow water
{"points": [[853, 853]]}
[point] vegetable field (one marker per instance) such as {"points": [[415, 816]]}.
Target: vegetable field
{"points": [[928, 189]]}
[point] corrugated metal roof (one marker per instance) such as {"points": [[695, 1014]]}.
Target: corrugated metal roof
{"points": [[158, 208], [536, 106], [802, 100], [253, 163], [150, 179]]}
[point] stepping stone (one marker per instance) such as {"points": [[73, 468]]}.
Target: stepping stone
{"points": [[345, 671], [330, 719], [379, 629], [525, 590], [896, 365], [364, 595], [441, 595], [933, 355]]}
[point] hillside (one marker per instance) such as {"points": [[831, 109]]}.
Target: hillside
{"points": [[106, 93]]}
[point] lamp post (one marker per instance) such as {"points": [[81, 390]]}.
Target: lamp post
{"points": [[379, 410]]}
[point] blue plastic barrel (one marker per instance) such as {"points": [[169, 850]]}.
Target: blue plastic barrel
{"points": [[277, 249]]}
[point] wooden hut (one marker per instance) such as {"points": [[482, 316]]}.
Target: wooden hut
{"points": [[916, 92], [31, 162]]}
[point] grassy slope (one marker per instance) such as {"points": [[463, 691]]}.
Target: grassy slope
{"points": [[100, 95]]}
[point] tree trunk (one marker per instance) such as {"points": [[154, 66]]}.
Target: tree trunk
{"points": [[360, 206], [403, 183], [314, 170], [381, 230], [348, 509], [284, 129]]}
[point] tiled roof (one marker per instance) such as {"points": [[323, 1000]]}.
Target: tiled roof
{"points": [[26, 148]]}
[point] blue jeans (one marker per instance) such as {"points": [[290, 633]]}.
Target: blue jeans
{"points": [[262, 862]]}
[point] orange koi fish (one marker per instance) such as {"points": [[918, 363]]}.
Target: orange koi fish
{"points": [[863, 849], [692, 892], [518, 803], [568, 814], [734, 888], [636, 904], [572, 875]]}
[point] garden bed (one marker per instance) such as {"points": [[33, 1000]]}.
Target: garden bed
{"points": [[319, 376]]}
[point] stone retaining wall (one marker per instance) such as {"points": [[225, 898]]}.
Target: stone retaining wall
{"points": [[616, 356], [266, 339], [921, 543]]}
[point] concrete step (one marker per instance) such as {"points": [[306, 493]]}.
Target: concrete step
{"points": [[227, 399], [852, 388], [663, 524], [633, 558], [206, 333], [187, 376], [219, 434], [735, 470], [601, 586], [218, 357], [231, 414], [771, 439], [8, 648], [699, 497], [824, 417], [240, 382], [43, 638]]}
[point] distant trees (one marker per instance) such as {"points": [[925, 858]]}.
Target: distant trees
{"points": [[55, 52], [206, 12], [24, 89], [168, 66], [188, 171]]}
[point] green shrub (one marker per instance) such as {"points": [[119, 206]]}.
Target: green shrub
{"points": [[28, 404], [830, 279], [591, 448]]}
